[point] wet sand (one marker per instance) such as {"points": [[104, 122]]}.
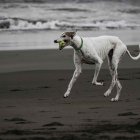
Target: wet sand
{"points": [[32, 84], [27, 60]]}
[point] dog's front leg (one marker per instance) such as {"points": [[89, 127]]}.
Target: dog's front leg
{"points": [[97, 70], [73, 80], [78, 70]]}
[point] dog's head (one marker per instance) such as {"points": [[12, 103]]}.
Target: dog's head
{"points": [[65, 39]]}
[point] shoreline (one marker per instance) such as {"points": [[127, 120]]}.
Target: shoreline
{"points": [[28, 60]]}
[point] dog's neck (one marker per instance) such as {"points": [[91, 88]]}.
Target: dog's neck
{"points": [[76, 42]]}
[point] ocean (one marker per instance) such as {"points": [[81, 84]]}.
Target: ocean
{"points": [[50, 17]]}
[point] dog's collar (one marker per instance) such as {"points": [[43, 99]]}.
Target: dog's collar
{"points": [[78, 49]]}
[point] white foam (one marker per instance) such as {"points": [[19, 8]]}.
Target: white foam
{"points": [[25, 25]]}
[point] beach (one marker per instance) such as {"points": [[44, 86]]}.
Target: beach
{"points": [[32, 84], [34, 74]]}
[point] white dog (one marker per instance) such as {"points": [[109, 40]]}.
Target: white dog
{"points": [[93, 50]]}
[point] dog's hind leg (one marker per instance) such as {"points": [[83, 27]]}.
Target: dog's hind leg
{"points": [[109, 58], [114, 80], [119, 52], [119, 87], [113, 62]]}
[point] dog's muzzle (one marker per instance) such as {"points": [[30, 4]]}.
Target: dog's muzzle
{"points": [[55, 41], [61, 44]]}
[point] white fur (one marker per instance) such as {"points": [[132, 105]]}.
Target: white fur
{"points": [[95, 50]]}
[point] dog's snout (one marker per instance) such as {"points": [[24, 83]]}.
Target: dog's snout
{"points": [[55, 41]]}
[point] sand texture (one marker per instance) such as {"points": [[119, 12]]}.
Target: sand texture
{"points": [[32, 107]]}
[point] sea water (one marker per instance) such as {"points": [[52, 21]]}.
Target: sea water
{"points": [[35, 25]]}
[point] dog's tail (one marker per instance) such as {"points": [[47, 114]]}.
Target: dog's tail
{"points": [[136, 57]]}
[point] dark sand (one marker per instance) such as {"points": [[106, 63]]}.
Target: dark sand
{"points": [[32, 106]]}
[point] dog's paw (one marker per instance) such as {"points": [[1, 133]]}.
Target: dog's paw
{"points": [[107, 93], [98, 83], [66, 95], [114, 99]]}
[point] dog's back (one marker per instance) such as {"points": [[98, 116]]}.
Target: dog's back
{"points": [[102, 44]]}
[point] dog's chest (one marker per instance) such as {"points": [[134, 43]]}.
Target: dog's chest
{"points": [[87, 61], [86, 57]]}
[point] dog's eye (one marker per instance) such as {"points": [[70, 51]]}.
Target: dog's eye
{"points": [[64, 36], [65, 41]]}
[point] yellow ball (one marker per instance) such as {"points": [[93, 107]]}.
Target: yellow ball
{"points": [[61, 43]]}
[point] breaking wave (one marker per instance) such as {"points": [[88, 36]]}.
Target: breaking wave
{"points": [[24, 24]]}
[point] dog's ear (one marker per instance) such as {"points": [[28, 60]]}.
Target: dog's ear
{"points": [[71, 34]]}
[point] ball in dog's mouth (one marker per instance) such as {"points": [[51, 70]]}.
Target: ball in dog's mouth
{"points": [[61, 45]]}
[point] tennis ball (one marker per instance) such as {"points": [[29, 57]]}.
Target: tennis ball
{"points": [[61, 44]]}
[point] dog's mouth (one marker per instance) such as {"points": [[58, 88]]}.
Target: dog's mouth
{"points": [[62, 43], [61, 48]]}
